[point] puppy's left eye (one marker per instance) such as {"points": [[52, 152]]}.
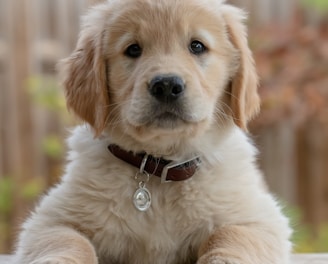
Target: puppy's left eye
{"points": [[133, 51], [196, 47]]}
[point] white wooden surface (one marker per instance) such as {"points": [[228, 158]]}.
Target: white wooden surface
{"points": [[296, 259], [4, 259]]}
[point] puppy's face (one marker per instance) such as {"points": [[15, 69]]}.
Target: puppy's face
{"points": [[152, 69], [169, 64]]}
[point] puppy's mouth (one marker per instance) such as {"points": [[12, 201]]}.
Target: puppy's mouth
{"points": [[167, 116], [164, 117], [173, 117], [151, 120], [167, 120]]}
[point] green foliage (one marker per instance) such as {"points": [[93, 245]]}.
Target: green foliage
{"points": [[32, 189], [306, 239], [46, 93], [6, 190], [321, 6], [28, 191], [53, 146]]}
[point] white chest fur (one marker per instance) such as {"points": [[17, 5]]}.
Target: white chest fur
{"points": [[97, 193]]}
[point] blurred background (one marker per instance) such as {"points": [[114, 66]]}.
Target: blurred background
{"points": [[290, 43]]}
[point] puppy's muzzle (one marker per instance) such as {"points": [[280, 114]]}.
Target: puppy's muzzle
{"points": [[166, 88]]}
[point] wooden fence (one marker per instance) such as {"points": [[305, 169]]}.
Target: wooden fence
{"points": [[35, 34]]}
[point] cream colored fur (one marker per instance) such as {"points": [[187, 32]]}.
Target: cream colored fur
{"points": [[224, 214]]}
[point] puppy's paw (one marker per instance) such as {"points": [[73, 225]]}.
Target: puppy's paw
{"points": [[54, 260], [212, 258]]}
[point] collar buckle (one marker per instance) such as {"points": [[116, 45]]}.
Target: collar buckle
{"points": [[174, 164]]}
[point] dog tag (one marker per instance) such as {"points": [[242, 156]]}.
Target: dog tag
{"points": [[142, 198]]}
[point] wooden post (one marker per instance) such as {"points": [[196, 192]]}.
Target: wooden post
{"points": [[312, 169], [277, 151], [18, 144], [4, 88]]}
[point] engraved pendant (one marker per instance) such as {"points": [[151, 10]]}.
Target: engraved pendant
{"points": [[142, 198]]}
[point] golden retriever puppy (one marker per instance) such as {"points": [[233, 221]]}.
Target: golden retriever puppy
{"points": [[164, 171]]}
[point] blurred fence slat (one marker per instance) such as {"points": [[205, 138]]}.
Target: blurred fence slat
{"points": [[278, 159], [262, 12], [313, 173], [33, 36], [18, 143]]}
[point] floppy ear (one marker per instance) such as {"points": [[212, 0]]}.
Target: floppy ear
{"points": [[244, 99], [84, 75]]}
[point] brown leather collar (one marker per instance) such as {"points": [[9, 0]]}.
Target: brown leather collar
{"points": [[165, 169]]}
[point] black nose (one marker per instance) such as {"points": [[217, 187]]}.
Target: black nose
{"points": [[166, 88]]}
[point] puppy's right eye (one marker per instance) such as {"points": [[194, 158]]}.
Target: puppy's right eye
{"points": [[133, 51], [196, 47]]}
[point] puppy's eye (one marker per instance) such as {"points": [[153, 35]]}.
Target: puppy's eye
{"points": [[133, 51], [196, 47]]}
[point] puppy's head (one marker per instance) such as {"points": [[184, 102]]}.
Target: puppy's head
{"points": [[154, 69]]}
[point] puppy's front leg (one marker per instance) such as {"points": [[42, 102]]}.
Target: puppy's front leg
{"points": [[54, 245], [239, 244]]}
